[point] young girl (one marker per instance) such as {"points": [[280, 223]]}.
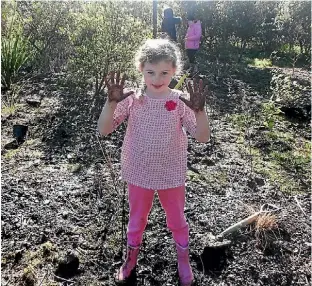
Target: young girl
{"points": [[192, 40], [154, 151]]}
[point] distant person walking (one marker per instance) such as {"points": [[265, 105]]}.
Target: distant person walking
{"points": [[169, 23], [192, 41]]}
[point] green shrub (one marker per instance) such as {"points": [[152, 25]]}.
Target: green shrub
{"points": [[105, 39], [262, 63], [13, 52]]}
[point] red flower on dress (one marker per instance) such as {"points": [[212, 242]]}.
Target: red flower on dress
{"points": [[171, 105]]}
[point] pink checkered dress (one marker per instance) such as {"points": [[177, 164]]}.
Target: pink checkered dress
{"points": [[154, 151]]}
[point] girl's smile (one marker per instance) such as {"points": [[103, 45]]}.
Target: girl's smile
{"points": [[157, 86]]}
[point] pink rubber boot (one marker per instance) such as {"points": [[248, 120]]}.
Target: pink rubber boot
{"points": [[129, 264], [184, 267]]}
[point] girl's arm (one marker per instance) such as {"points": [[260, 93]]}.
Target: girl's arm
{"points": [[106, 120], [177, 20], [195, 118], [202, 133], [195, 122]]}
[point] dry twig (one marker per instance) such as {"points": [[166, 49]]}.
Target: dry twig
{"points": [[298, 203]]}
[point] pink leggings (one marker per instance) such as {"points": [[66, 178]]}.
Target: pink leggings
{"points": [[172, 201]]}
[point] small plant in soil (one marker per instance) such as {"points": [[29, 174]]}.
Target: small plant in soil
{"points": [[266, 228]]}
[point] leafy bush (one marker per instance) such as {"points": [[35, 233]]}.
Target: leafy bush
{"points": [[91, 38], [47, 24], [262, 63], [105, 39], [270, 113]]}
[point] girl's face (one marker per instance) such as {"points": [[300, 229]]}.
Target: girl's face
{"points": [[158, 76]]}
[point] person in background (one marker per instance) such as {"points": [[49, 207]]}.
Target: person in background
{"points": [[169, 23], [192, 41]]}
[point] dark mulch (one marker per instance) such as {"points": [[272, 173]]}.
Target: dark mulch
{"points": [[62, 209]]}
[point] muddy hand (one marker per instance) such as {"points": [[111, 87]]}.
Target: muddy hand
{"points": [[115, 87], [197, 95]]}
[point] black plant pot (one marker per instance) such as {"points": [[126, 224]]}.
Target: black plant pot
{"points": [[19, 132]]}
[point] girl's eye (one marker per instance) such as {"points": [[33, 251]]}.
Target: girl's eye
{"points": [[150, 72], [165, 73]]}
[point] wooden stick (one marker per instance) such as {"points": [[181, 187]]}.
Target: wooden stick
{"points": [[248, 220], [40, 283], [297, 201], [63, 279], [240, 224]]}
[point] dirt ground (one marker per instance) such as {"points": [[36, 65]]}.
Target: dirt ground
{"points": [[62, 206]]}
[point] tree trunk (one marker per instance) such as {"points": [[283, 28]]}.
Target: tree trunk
{"points": [[154, 19], [301, 46], [243, 46]]}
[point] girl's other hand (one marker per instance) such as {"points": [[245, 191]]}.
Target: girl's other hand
{"points": [[198, 95], [115, 87]]}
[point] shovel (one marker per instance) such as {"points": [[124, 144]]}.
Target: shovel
{"points": [[220, 240], [214, 254]]}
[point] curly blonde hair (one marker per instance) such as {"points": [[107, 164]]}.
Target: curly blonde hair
{"points": [[156, 50]]}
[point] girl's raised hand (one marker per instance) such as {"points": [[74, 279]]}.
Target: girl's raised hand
{"points": [[197, 95], [115, 87]]}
